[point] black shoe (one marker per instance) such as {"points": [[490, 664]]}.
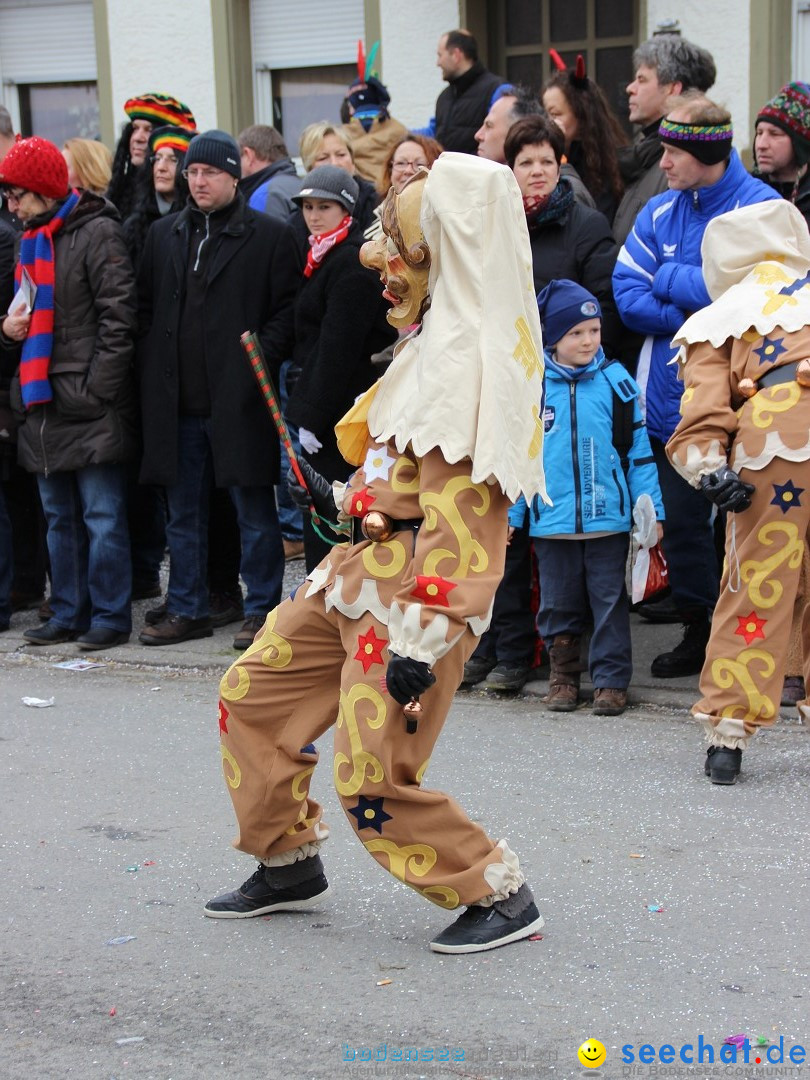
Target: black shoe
{"points": [[173, 629], [723, 764], [658, 611], [226, 607], [688, 655], [49, 633], [256, 897], [476, 669], [156, 614], [102, 638], [508, 676], [480, 928], [145, 590]]}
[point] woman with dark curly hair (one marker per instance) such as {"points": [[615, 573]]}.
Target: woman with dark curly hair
{"points": [[591, 132], [160, 188]]}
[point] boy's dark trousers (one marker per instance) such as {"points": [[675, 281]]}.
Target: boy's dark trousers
{"points": [[512, 637]]}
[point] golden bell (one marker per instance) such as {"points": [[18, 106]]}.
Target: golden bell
{"points": [[746, 388], [803, 373], [376, 526]]}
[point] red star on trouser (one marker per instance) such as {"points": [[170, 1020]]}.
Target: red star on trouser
{"points": [[361, 502], [223, 716], [433, 590], [370, 649], [750, 627]]}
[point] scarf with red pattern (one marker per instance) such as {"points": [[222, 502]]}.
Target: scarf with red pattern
{"points": [[320, 246]]}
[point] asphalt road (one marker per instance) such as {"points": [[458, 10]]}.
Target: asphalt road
{"points": [[116, 825]]}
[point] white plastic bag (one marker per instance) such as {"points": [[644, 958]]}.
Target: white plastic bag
{"points": [[644, 583]]}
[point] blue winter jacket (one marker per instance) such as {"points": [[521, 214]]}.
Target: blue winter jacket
{"points": [[658, 280], [584, 475]]}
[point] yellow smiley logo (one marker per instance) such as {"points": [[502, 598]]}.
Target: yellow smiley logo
{"points": [[592, 1054]]}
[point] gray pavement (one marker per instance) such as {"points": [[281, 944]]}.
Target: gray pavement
{"points": [[116, 824]]}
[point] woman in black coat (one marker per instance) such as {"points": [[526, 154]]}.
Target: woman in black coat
{"points": [[568, 240], [339, 323]]}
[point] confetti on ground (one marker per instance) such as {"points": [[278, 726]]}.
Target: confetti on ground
{"points": [[656, 907], [150, 862], [38, 702], [133, 869], [131, 1039], [112, 1011], [762, 1040], [735, 1040], [635, 855], [121, 940], [535, 937], [384, 982]]}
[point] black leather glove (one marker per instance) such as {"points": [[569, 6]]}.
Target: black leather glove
{"points": [[406, 678], [320, 492], [726, 490]]}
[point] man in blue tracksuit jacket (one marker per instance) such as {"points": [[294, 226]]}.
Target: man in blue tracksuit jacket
{"points": [[657, 284]]}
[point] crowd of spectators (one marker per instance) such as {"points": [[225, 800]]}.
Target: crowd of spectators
{"points": [[130, 421]]}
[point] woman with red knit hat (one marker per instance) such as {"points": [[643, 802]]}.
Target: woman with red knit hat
{"points": [[73, 391], [145, 112]]}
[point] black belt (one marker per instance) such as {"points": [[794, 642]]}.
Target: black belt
{"points": [[394, 525], [784, 373]]}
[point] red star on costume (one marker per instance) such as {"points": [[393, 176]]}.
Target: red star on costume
{"points": [[361, 502], [751, 627], [433, 590], [370, 649], [223, 716]]}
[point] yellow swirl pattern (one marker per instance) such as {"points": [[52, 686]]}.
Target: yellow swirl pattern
{"points": [[234, 777], [536, 443], [364, 765], [276, 651], [471, 555], [299, 792], [416, 858], [726, 672], [401, 484], [420, 772], [396, 558], [765, 406], [525, 352], [764, 591], [442, 895]]}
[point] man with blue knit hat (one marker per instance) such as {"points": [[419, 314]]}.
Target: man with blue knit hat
{"points": [[208, 274], [581, 538], [371, 130]]}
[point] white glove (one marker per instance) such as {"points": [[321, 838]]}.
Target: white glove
{"points": [[309, 441]]}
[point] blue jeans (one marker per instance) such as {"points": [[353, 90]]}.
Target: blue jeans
{"points": [[6, 564], [88, 545], [262, 564], [689, 548], [576, 575], [289, 516]]}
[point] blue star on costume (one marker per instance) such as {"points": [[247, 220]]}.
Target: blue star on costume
{"points": [[786, 496], [789, 290], [370, 814], [770, 350]]}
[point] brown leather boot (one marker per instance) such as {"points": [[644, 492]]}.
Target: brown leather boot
{"points": [[565, 671], [608, 701]]}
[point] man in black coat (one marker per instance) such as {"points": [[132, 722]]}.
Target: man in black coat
{"points": [[209, 273], [463, 104]]}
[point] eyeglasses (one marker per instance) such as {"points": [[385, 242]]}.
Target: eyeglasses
{"points": [[202, 174], [13, 193], [164, 159], [408, 165]]}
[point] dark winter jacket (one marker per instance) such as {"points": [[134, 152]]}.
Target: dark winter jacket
{"points": [[643, 177], [252, 278], [462, 106], [138, 223], [271, 189], [92, 417], [800, 197], [339, 322], [579, 246], [8, 357]]}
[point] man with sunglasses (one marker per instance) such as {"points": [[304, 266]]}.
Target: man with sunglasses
{"points": [[209, 273]]}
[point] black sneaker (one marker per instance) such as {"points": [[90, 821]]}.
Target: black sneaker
{"points": [[508, 675], [256, 897], [688, 655], [476, 669], [480, 928], [49, 633], [723, 764], [102, 637]]}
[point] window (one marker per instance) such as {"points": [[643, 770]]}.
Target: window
{"points": [[59, 111], [302, 96]]}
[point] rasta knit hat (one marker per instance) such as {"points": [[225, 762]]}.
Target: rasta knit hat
{"points": [[563, 304], [160, 109], [36, 165], [709, 143], [217, 149], [330, 182], [171, 138], [790, 111]]}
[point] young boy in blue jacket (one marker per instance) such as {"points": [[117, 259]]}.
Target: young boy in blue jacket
{"points": [[582, 539]]}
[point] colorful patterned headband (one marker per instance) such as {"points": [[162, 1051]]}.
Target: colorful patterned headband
{"points": [[709, 143]]}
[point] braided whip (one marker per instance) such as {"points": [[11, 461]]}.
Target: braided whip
{"points": [[252, 346]]}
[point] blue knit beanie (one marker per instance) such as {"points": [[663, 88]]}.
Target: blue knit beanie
{"points": [[217, 149], [562, 305]]}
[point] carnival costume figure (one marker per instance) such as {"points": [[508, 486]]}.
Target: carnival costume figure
{"points": [[743, 439], [442, 443]]}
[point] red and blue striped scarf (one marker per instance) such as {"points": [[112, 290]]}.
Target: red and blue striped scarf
{"points": [[36, 255]]}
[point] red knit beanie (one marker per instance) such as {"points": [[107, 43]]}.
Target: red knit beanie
{"points": [[36, 165]]}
